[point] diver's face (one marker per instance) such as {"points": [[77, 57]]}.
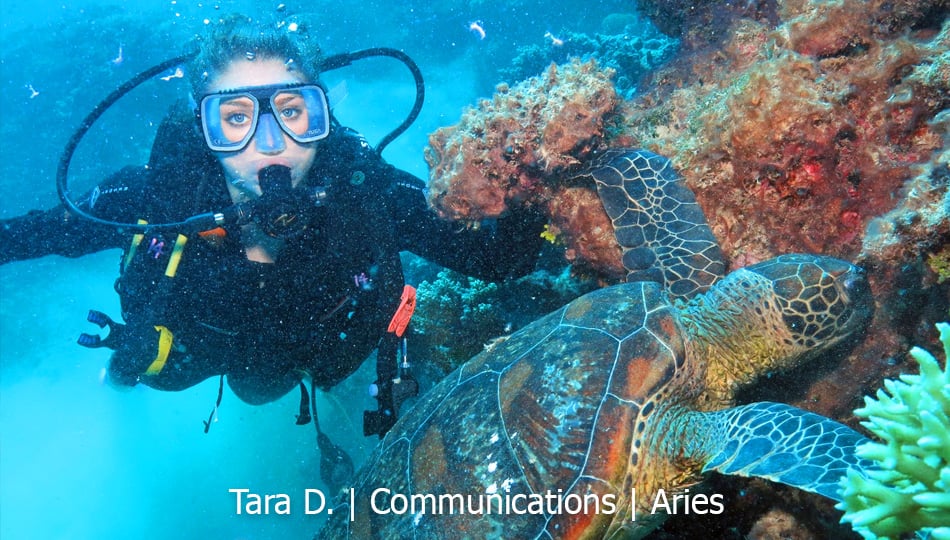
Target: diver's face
{"points": [[241, 168]]}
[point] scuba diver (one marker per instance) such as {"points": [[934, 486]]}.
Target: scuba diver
{"points": [[261, 241]]}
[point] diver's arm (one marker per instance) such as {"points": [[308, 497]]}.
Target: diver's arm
{"points": [[507, 248], [58, 231]]}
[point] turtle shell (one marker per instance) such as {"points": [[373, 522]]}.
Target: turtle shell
{"points": [[559, 408]]}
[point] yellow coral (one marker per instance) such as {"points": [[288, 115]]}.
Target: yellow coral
{"points": [[549, 234], [910, 489], [940, 264]]}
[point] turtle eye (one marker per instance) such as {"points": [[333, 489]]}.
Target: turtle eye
{"points": [[855, 285], [826, 305], [854, 291]]}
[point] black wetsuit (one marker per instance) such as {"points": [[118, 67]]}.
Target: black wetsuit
{"points": [[320, 308]]}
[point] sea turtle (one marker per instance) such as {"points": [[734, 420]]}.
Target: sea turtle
{"points": [[576, 424]]}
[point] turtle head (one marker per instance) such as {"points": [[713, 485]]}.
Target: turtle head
{"points": [[822, 300], [772, 316]]}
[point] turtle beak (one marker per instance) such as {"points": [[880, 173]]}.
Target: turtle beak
{"points": [[856, 291]]}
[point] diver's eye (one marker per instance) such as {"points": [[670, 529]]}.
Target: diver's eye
{"points": [[237, 119], [290, 113]]}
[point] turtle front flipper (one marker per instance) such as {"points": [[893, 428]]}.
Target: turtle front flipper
{"points": [[783, 444], [657, 222]]}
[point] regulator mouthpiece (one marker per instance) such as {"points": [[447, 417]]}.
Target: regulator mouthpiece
{"points": [[281, 209], [275, 179]]}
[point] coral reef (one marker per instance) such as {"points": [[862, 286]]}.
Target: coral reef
{"points": [[921, 214], [940, 264], [632, 48], [797, 151], [513, 150], [802, 126], [579, 223], [778, 525], [787, 151], [701, 23], [502, 151], [911, 489], [457, 316]]}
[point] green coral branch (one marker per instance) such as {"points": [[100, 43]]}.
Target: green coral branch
{"points": [[909, 490]]}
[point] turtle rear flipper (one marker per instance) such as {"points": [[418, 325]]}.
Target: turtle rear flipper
{"points": [[657, 222], [783, 444]]}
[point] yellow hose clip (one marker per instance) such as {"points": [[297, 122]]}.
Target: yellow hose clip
{"points": [[165, 339], [172, 268], [136, 240]]}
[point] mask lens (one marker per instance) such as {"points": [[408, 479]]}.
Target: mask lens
{"points": [[228, 120], [302, 113]]}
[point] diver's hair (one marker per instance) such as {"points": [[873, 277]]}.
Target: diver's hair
{"points": [[238, 37]]}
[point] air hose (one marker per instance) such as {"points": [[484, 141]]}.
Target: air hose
{"points": [[210, 220]]}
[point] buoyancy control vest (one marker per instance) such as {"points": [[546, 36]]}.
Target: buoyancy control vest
{"points": [[320, 308]]}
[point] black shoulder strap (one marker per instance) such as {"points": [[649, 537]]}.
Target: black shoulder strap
{"points": [[187, 179], [350, 163]]}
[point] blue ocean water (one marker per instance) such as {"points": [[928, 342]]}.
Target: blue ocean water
{"points": [[79, 459]]}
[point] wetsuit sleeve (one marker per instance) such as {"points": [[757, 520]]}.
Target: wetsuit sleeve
{"points": [[59, 232], [507, 248]]}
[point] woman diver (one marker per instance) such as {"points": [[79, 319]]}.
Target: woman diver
{"points": [[303, 277]]}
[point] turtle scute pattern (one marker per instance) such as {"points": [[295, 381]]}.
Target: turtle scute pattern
{"points": [[817, 306], [621, 387], [777, 456], [560, 403], [601, 396], [657, 222], [797, 301], [772, 317]]}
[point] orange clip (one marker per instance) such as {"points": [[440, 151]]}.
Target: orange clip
{"points": [[215, 233], [407, 305]]}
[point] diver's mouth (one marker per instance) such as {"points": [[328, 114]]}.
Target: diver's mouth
{"points": [[267, 162]]}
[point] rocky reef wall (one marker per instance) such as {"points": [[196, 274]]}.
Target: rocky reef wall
{"points": [[801, 125]]}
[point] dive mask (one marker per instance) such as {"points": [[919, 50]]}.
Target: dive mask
{"points": [[229, 119]]}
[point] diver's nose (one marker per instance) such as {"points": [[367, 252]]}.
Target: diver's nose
{"points": [[269, 138]]}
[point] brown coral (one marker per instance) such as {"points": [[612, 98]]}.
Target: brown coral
{"points": [[510, 149], [779, 525], [578, 217], [809, 149]]}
